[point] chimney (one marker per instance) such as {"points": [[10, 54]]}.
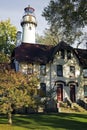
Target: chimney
{"points": [[18, 38]]}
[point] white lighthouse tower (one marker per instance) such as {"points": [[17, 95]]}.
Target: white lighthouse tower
{"points": [[28, 24]]}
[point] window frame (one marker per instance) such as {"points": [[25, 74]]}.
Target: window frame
{"points": [[42, 89], [43, 69], [26, 68], [68, 54], [62, 54], [72, 71], [60, 70], [85, 72], [85, 91]]}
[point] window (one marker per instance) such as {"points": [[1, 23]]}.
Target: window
{"points": [[30, 69], [59, 70], [42, 89], [60, 92], [16, 65], [85, 90], [72, 71], [68, 54], [85, 73], [26, 68], [62, 54], [43, 69]]}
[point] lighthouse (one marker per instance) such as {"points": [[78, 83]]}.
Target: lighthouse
{"points": [[28, 24]]}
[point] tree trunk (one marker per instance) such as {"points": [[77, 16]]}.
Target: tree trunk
{"points": [[10, 118]]}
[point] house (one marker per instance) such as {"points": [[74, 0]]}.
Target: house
{"points": [[62, 69]]}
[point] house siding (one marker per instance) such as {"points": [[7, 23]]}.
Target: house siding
{"points": [[51, 77]]}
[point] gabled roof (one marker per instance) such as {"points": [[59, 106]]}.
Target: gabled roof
{"points": [[82, 56], [61, 46], [80, 53], [32, 53], [42, 54]]}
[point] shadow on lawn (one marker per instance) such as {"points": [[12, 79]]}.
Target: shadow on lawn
{"points": [[57, 121], [3, 119], [54, 121]]}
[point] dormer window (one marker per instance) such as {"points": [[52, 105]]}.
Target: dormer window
{"points": [[62, 54], [72, 71], [43, 69], [68, 54]]}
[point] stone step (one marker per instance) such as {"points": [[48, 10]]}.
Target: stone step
{"points": [[74, 108], [77, 107]]}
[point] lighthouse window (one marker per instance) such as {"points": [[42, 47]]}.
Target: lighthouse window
{"points": [[29, 10], [30, 28]]}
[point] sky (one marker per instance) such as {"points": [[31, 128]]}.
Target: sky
{"points": [[14, 9]]}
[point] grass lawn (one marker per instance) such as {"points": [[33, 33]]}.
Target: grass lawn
{"points": [[59, 121]]}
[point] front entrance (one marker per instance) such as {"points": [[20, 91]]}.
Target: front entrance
{"points": [[59, 92], [72, 93]]}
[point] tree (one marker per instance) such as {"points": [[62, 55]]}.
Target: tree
{"points": [[48, 38], [7, 37], [66, 17], [16, 90], [4, 57]]}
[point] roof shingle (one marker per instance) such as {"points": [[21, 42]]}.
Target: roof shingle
{"points": [[42, 54]]}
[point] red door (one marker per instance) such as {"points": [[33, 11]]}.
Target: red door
{"points": [[59, 92], [72, 93]]}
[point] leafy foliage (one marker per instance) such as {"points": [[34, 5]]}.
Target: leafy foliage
{"points": [[66, 18], [7, 37], [4, 58], [48, 38], [16, 90]]}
